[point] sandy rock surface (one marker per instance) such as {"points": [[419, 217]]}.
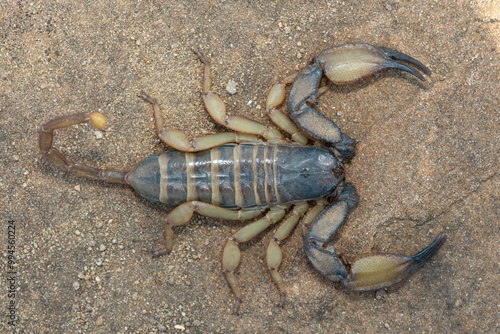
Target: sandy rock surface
{"points": [[427, 160]]}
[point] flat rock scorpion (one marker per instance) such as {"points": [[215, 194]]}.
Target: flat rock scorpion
{"points": [[238, 176]]}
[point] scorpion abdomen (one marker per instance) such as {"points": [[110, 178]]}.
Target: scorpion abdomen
{"points": [[238, 176]]}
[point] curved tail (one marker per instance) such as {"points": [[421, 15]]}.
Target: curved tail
{"points": [[54, 157]]}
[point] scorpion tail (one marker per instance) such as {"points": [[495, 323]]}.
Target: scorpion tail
{"points": [[54, 157]]}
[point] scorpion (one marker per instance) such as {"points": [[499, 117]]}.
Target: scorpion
{"points": [[238, 176]]}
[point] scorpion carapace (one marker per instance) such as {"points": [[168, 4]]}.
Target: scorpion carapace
{"points": [[236, 176]]}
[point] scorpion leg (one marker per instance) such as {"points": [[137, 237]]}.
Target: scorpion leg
{"points": [[231, 255], [217, 109], [178, 139], [58, 160], [275, 97], [313, 213], [274, 254], [183, 213], [367, 273]]}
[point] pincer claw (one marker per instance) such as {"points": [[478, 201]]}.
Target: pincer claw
{"points": [[342, 65], [351, 62], [380, 271], [368, 273]]}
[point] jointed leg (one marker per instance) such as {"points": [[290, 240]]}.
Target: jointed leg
{"points": [[274, 254], [178, 140], [312, 213], [217, 109], [231, 254], [183, 213], [276, 97]]}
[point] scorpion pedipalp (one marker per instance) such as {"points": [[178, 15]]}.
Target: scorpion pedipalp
{"points": [[342, 65], [379, 271], [346, 63], [321, 254], [371, 272]]}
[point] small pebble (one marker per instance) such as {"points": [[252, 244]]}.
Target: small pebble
{"points": [[98, 134], [102, 248], [179, 327], [134, 296], [15, 157], [77, 187], [231, 87], [99, 321], [76, 285]]}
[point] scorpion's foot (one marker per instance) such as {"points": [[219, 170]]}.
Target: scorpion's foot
{"points": [[147, 98], [167, 243]]}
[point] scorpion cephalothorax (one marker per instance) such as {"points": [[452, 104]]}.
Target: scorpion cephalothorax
{"points": [[235, 176]]}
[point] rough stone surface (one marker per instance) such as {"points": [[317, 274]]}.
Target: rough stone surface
{"points": [[427, 160]]}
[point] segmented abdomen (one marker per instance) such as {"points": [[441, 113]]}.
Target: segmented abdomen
{"points": [[230, 176], [234, 176]]}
